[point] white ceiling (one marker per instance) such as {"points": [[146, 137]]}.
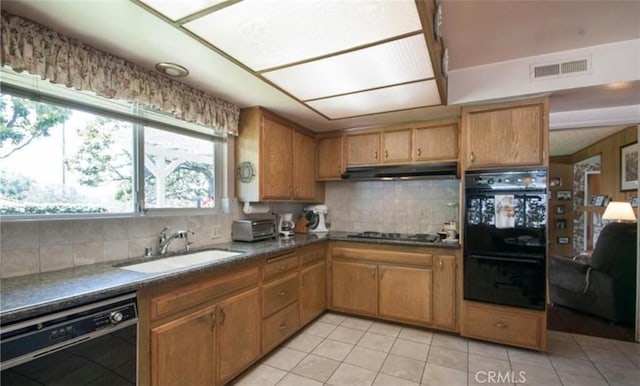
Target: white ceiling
{"points": [[478, 34]]}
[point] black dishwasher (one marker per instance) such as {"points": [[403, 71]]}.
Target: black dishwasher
{"points": [[94, 344]]}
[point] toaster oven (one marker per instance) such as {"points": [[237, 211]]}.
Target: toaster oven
{"points": [[253, 230]]}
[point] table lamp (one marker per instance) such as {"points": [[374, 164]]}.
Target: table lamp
{"points": [[619, 211]]}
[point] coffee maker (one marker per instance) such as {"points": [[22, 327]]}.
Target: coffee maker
{"points": [[285, 225]]}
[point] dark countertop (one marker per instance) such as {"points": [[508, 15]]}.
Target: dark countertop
{"points": [[28, 296]]}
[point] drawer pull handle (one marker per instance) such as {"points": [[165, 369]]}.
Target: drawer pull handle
{"points": [[375, 155], [419, 152], [502, 325], [223, 316], [282, 326], [282, 292], [386, 154], [213, 320], [282, 267]]}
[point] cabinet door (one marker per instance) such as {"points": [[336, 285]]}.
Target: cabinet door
{"points": [[329, 162], [405, 293], [506, 137], [276, 160], [354, 287], [238, 333], [444, 291], [363, 149], [396, 146], [304, 167], [313, 289], [435, 143], [182, 351]]}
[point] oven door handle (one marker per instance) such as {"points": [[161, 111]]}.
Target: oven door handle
{"points": [[506, 259]]}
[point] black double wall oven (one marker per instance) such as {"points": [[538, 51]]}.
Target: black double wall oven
{"points": [[505, 244]]}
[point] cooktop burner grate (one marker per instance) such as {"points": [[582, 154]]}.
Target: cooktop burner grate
{"points": [[395, 236]]}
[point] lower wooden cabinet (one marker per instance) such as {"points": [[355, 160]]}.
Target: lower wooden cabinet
{"points": [[445, 292], [405, 293], [354, 287], [238, 339], [507, 325], [280, 326], [313, 291], [182, 351]]}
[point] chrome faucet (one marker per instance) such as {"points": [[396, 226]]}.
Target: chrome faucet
{"points": [[164, 241]]}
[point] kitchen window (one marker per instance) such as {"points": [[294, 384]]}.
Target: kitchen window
{"points": [[61, 158]]}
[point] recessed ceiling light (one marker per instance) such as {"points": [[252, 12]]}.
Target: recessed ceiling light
{"points": [[173, 70]]}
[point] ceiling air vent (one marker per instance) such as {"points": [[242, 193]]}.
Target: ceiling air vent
{"points": [[556, 70]]}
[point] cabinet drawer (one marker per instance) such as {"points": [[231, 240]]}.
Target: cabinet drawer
{"points": [[381, 255], [280, 326], [198, 293], [313, 253], [278, 265], [505, 325], [279, 293]]}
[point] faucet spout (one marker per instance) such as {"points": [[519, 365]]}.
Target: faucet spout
{"points": [[164, 241]]}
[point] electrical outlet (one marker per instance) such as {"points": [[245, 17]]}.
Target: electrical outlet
{"points": [[216, 232]]}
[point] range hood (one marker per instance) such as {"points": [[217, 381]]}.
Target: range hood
{"points": [[446, 170]]}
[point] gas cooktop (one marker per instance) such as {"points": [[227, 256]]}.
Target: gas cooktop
{"points": [[395, 236]]}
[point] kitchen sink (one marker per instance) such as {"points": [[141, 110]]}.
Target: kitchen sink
{"points": [[180, 261]]}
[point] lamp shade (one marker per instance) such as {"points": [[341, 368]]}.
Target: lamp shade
{"points": [[619, 211]]}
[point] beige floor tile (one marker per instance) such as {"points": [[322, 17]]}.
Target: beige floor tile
{"points": [[482, 363], [592, 340], [262, 375], [403, 367], [448, 358], [565, 348], [285, 358], [560, 336], [367, 358], [409, 349], [333, 350], [436, 375], [569, 379], [304, 342], [601, 354], [620, 375], [376, 342], [629, 348], [388, 380], [534, 375], [383, 328], [416, 335], [488, 350], [331, 318], [320, 329], [346, 335], [357, 323], [349, 375], [450, 342], [529, 357], [316, 368], [574, 366], [296, 380]]}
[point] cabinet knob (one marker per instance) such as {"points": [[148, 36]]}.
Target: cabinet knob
{"points": [[375, 155], [441, 264], [419, 152], [223, 316], [282, 326], [282, 267], [282, 292], [213, 320], [386, 154], [373, 273], [472, 157], [501, 324]]}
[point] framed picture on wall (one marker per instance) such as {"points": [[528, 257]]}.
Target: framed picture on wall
{"points": [[555, 181], [629, 167], [561, 223], [563, 194]]}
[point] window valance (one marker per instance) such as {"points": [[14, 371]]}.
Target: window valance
{"points": [[27, 46]]}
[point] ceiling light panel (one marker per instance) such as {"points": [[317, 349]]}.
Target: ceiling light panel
{"points": [[268, 34], [175, 10], [398, 61], [402, 97]]}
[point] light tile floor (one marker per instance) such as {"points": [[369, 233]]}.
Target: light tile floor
{"points": [[344, 350]]}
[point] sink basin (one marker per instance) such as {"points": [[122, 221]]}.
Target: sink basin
{"points": [[180, 261]]}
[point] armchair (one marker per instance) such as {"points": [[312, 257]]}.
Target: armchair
{"points": [[605, 284]]}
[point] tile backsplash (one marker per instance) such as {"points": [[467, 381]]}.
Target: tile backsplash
{"points": [[392, 206]]}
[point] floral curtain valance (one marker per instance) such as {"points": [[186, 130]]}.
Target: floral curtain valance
{"points": [[27, 46]]}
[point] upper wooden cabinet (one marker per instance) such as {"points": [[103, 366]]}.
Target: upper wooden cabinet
{"points": [[437, 142], [330, 165], [362, 148], [282, 156], [410, 143], [513, 134]]}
